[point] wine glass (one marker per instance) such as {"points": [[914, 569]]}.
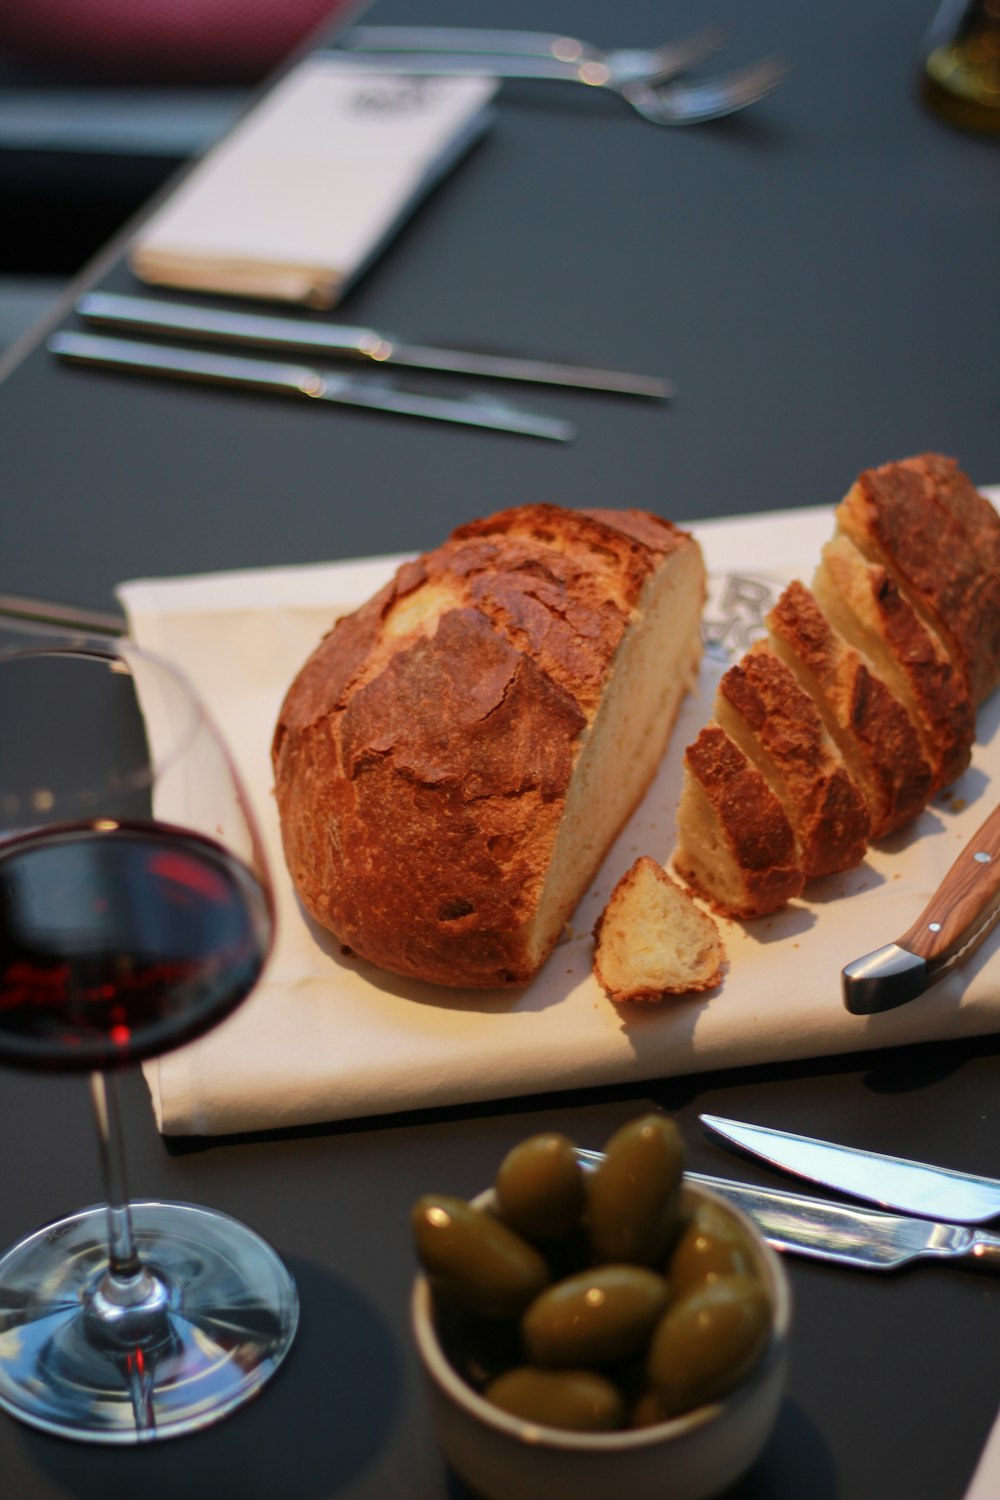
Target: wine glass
{"points": [[135, 914]]}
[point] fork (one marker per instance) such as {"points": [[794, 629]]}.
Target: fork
{"points": [[650, 93], [577, 61]]}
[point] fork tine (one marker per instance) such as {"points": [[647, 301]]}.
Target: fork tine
{"points": [[689, 103]]}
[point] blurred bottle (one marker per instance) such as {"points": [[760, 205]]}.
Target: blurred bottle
{"points": [[961, 79]]}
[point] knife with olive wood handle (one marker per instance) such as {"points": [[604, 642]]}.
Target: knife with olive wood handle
{"points": [[954, 922]]}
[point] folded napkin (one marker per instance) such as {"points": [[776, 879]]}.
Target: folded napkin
{"points": [[326, 1037], [304, 192], [986, 1479]]}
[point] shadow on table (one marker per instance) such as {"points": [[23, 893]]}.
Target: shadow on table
{"points": [[795, 1463], [318, 1424]]}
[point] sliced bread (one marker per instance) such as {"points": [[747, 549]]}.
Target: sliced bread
{"points": [[735, 845], [939, 540], [870, 726], [775, 723], [652, 940], [863, 603]]}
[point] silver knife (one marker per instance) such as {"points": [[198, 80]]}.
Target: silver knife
{"points": [[300, 380], [263, 331], [892, 1181], [857, 1237], [962, 911]]}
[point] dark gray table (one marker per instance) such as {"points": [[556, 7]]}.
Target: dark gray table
{"points": [[819, 278]]}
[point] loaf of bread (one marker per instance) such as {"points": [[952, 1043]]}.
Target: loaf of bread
{"points": [[888, 654], [651, 940], [455, 759]]}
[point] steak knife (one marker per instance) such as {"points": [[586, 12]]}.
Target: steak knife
{"points": [[963, 909], [375, 393], [892, 1181], [264, 331]]}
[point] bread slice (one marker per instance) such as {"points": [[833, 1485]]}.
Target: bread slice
{"points": [[455, 759], [864, 604], [735, 846], [923, 520], [863, 716], [651, 940], [775, 723]]}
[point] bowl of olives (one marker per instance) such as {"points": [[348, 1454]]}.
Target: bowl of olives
{"points": [[598, 1326]]}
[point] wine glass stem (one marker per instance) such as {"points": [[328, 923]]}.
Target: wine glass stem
{"points": [[123, 1261]]}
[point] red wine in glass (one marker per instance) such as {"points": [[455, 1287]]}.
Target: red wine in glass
{"points": [[135, 915], [118, 943]]}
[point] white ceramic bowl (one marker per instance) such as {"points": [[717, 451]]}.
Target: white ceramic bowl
{"points": [[690, 1458]]}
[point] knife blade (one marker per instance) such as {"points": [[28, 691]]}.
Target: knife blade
{"points": [[263, 331], [892, 1181], [300, 380], [962, 911], [857, 1237]]}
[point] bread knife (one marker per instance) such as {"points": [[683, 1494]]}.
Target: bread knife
{"points": [[963, 909], [890, 1181], [374, 393], [294, 335]]}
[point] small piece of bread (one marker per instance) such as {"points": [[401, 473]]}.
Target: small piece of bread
{"points": [[652, 940], [939, 539], [871, 727], [735, 844], [862, 602], [778, 727]]}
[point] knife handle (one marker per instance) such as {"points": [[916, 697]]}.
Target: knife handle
{"points": [[954, 922], [965, 904]]}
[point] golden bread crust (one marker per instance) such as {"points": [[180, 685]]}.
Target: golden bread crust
{"points": [[861, 599], [782, 732], [754, 855], [870, 725], [925, 522], [424, 754]]}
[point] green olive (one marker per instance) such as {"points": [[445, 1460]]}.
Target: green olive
{"points": [[647, 1411], [539, 1187], [594, 1318], [473, 1260], [633, 1197], [705, 1343], [576, 1400], [711, 1245]]}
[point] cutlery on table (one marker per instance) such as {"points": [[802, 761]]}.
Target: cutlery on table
{"points": [[265, 331], [959, 915], [372, 392], [856, 1237], [892, 1181], [646, 78]]}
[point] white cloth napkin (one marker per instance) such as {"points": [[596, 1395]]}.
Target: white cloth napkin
{"points": [[299, 197], [325, 1037], [986, 1479]]}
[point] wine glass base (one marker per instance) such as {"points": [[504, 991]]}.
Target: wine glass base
{"points": [[219, 1318]]}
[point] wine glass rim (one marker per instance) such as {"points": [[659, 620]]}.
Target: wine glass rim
{"points": [[160, 756]]}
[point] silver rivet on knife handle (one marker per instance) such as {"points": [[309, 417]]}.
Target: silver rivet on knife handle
{"points": [[963, 909]]}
